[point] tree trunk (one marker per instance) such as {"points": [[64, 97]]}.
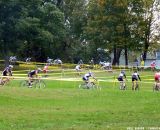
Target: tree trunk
{"points": [[145, 51], [115, 58], [126, 56], [117, 54], [147, 36], [5, 53]]}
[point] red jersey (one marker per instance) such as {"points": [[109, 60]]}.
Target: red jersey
{"points": [[45, 69], [157, 76]]}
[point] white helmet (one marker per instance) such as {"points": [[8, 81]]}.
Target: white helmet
{"points": [[90, 73], [10, 66], [39, 69]]}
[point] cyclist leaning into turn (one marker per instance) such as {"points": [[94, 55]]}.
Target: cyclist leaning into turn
{"points": [[32, 74], [87, 76], [86, 79]]}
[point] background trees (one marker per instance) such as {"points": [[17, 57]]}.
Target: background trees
{"points": [[79, 29]]}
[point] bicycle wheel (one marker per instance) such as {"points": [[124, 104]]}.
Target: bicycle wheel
{"points": [[40, 84], [24, 83], [83, 85], [2, 82], [92, 85]]}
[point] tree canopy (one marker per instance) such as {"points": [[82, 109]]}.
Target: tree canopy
{"points": [[78, 29]]}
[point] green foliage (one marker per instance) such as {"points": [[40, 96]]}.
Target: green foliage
{"points": [[43, 28]]}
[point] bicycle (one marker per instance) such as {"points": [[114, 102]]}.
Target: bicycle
{"points": [[123, 85], [36, 83], [135, 85], [4, 81], [93, 84], [156, 86]]}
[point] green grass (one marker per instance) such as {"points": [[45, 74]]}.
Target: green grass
{"points": [[62, 106]]}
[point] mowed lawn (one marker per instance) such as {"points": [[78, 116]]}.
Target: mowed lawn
{"points": [[63, 106]]}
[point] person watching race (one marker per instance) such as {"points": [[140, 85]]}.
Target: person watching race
{"points": [[135, 78], [33, 74], [153, 65], [121, 78]]}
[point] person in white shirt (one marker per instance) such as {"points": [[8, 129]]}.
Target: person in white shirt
{"points": [[78, 69]]}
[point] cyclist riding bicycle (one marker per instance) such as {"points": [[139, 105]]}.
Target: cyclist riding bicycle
{"points": [[157, 80], [78, 69], [7, 72], [32, 74], [86, 78], [45, 69], [135, 78], [121, 78]]}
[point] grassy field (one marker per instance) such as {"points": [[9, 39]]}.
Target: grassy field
{"points": [[63, 106]]}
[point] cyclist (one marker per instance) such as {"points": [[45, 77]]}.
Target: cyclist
{"points": [[78, 69], [121, 78], [7, 72], [135, 78], [28, 60], [32, 74], [45, 69], [157, 80], [87, 76]]}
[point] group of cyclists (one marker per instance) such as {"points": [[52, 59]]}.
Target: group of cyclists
{"points": [[135, 77], [122, 78], [7, 72]]}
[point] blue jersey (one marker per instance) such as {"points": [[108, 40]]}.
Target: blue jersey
{"points": [[32, 73]]}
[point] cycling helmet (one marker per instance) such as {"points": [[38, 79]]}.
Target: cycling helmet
{"points": [[123, 71], [10, 66], [39, 69], [90, 73]]}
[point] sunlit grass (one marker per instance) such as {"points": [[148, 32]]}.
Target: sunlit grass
{"points": [[63, 106]]}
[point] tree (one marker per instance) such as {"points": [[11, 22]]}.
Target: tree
{"points": [[75, 20], [108, 25], [9, 16], [41, 31]]}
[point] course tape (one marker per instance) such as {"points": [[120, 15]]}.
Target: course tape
{"points": [[74, 72], [73, 79]]}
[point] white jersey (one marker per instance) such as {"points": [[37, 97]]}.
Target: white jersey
{"points": [[121, 74], [135, 75], [86, 76], [78, 67], [106, 64]]}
